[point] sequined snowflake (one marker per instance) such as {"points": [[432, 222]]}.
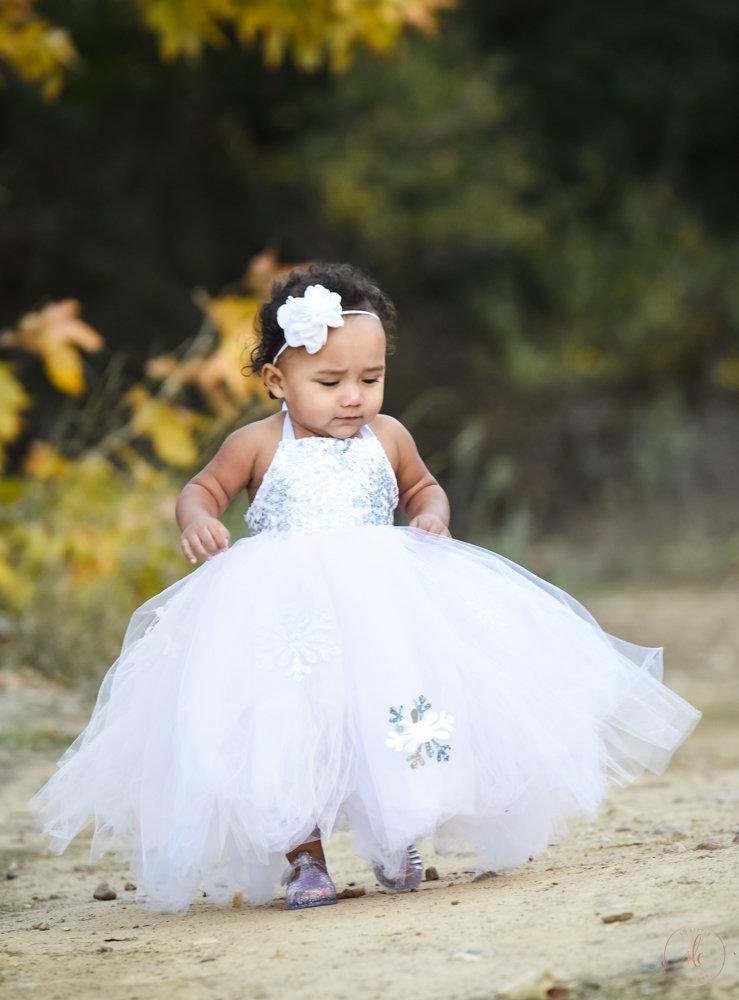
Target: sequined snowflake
{"points": [[423, 732], [297, 642]]}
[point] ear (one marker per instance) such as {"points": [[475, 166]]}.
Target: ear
{"points": [[273, 380]]}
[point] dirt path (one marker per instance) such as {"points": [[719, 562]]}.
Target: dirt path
{"points": [[453, 938]]}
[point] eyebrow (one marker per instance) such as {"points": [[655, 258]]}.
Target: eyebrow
{"points": [[343, 371]]}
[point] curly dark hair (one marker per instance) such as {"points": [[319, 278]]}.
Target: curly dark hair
{"points": [[357, 291]]}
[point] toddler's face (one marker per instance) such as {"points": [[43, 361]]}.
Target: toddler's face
{"points": [[333, 392]]}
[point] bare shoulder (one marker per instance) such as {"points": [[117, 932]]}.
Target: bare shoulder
{"points": [[247, 442], [260, 432], [240, 459], [395, 438]]}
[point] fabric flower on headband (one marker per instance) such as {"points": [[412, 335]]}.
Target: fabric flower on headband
{"points": [[306, 319]]}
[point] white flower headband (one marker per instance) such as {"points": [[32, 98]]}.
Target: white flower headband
{"points": [[306, 319]]}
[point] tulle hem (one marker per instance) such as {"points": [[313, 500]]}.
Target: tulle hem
{"points": [[396, 685]]}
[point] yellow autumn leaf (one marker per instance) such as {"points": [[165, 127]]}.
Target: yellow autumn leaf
{"points": [[13, 400], [169, 428], [219, 376], [222, 376], [314, 31], [185, 27], [63, 369], [57, 334], [37, 50]]}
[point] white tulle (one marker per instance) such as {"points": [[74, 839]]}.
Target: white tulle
{"points": [[274, 689]]}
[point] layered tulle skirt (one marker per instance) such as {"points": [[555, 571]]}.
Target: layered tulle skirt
{"points": [[379, 680]]}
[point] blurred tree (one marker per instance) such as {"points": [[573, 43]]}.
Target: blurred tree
{"points": [[547, 191]]}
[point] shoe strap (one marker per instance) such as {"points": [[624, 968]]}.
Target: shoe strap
{"points": [[300, 861]]}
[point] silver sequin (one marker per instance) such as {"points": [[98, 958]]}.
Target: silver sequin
{"points": [[316, 484]]}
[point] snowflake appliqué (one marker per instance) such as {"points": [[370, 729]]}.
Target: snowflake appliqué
{"points": [[297, 642], [423, 733], [485, 612]]}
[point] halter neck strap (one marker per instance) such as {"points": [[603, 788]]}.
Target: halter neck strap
{"points": [[288, 434]]}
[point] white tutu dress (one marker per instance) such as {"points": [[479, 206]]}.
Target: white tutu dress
{"points": [[335, 670]]}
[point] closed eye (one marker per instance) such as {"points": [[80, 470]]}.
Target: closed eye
{"points": [[368, 381]]}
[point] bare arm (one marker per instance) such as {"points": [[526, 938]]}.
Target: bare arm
{"points": [[208, 494], [421, 498]]}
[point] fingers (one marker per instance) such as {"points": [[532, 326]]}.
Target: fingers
{"points": [[209, 540], [204, 541], [197, 546], [187, 550], [432, 525]]}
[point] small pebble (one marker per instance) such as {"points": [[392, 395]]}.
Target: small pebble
{"points": [[351, 893], [454, 902], [11, 874], [105, 947], [431, 874], [130, 886], [484, 876], [711, 844], [613, 918], [105, 891], [42, 926]]}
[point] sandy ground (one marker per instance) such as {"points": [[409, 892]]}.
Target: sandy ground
{"points": [[537, 931]]}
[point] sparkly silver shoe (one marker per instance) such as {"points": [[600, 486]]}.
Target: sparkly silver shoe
{"points": [[312, 886], [411, 877]]}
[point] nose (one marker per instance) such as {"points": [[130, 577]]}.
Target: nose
{"points": [[352, 397]]}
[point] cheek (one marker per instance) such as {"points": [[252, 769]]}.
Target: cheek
{"points": [[374, 398]]}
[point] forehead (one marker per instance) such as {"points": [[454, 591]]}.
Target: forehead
{"points": [[360, 343]]}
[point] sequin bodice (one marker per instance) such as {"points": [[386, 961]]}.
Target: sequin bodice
{"points": [[320, 483]]}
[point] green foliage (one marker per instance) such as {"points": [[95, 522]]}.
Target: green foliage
{"points": [[547, 192]]}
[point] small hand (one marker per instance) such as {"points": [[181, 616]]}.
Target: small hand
{"points": [[431, 523], [205, 536]]}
